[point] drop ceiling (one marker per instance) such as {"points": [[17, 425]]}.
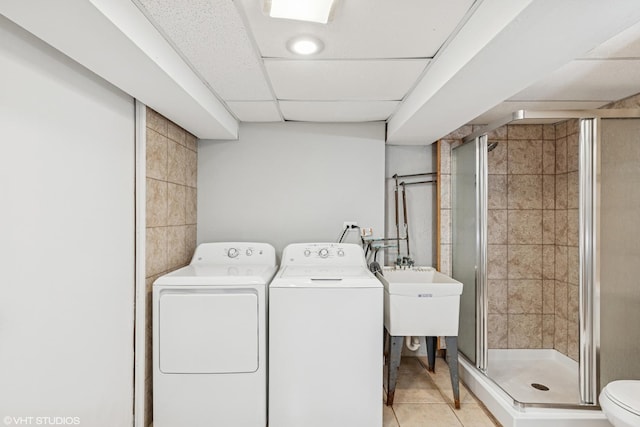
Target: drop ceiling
{"points": [[426, 67]]}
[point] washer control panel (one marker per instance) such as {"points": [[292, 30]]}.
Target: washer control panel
{"points": [[323, 253], [234, 253]]}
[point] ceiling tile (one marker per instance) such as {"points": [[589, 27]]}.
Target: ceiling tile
{"points": [[504, 109], [384, 80], [364, 28], [255, 111], [337, 111], [586, 80], [211, 35]]}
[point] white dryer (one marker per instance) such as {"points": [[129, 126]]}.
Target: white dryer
{"points": [[325, 339], [209, 338]]}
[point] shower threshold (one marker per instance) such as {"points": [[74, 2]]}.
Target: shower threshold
{"points": [[525, 368]]}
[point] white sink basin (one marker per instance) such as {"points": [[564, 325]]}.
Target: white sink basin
{"points": [[420, 301]]}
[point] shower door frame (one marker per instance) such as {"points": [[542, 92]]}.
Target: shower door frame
{"points": [[589, 244]]}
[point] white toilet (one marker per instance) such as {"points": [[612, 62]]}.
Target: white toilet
{"points": [[620, 402]]}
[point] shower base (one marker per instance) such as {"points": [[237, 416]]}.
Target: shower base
{"points": [[513, 371]]}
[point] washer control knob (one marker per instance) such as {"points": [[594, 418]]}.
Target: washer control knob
{"points": [[249, 252], [324, 252], [232, 253], [307, 252], [340, 252]]}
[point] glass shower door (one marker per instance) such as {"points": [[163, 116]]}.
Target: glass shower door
{"points": [[468, 190]]}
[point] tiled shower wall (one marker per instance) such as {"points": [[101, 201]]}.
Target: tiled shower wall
{"points": [[171, 183], [532, 234]]}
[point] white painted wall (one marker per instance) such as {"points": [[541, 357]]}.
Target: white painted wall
{"points": [[421, 202], [282, 183], [67, 239]]}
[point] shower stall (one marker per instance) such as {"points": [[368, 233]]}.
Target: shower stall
{"points": [[546, 240]]}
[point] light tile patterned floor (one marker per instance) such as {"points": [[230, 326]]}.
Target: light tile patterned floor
{"points": [[424, 398]]}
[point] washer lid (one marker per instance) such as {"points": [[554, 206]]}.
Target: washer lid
{"points": [[625, 393], [203, 275], [313, 276]]}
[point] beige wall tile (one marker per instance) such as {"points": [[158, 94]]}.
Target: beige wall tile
{"points": [[573, 126], [445, 191], [573, 265], [561, 227], [499, 133], [525, 262], [525, 157], [548, 296], [573, 304], [460, 133], [497, 189], [176, 133], [561, 155], [525, 331], [549, 132], [560, 335], [548, 330], [561, 191], [176, 165], [445, 259], [525, 296], [177, 204], [445, 157], [561, 130], [190, 241], [191, 168], [548, 191], [524, 132], [497, 158], [573, 190], [497, 262], [445, 226], [191, 142], [498, 330], [156, 204], [573, 227], [572, 153], [156, 122], [156, 251], [561, 299], [191, 205], [497, 226], [548, 262], [561, 263], [549, 157], [524, 192], [524, 227], [156, 156], [176, 249], [548, 227], [573, 341], [498, 291]]}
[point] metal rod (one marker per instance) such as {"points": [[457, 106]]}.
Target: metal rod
{"points": [[404, 212], [397, 220], [415, 174], [420, 182]]}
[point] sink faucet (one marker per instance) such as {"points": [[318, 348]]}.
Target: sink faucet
{"points": [[404, 262]]}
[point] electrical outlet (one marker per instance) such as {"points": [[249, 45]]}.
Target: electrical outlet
{"points": [[349, 224], [366, 232]]}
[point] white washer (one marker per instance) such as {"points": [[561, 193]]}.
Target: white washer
{"points": [[209, 338], [325, 339]]}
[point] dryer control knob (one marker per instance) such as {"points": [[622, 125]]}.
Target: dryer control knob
{"points": [[249, 252], [307, 252], [232, 253], [324, 252], [340, 252]]}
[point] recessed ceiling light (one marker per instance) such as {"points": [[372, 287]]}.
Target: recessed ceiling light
{"points": [[301, 10], [305, 45]]}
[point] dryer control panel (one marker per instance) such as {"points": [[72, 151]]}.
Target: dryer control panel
{"points": [[234, 253], [323, 254]]}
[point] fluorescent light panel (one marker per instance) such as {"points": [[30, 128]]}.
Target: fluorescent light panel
{"points": [[301, 10]]}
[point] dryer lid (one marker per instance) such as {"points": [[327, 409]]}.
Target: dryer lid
{"points": [[626, 394]]}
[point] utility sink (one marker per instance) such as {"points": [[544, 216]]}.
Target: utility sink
{"points": [[420, 301]]}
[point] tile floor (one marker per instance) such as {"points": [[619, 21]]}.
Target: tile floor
{"points": [[426, 399]]}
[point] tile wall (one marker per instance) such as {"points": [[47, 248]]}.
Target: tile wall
{"points": [[532, 234], [171, 183]]}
